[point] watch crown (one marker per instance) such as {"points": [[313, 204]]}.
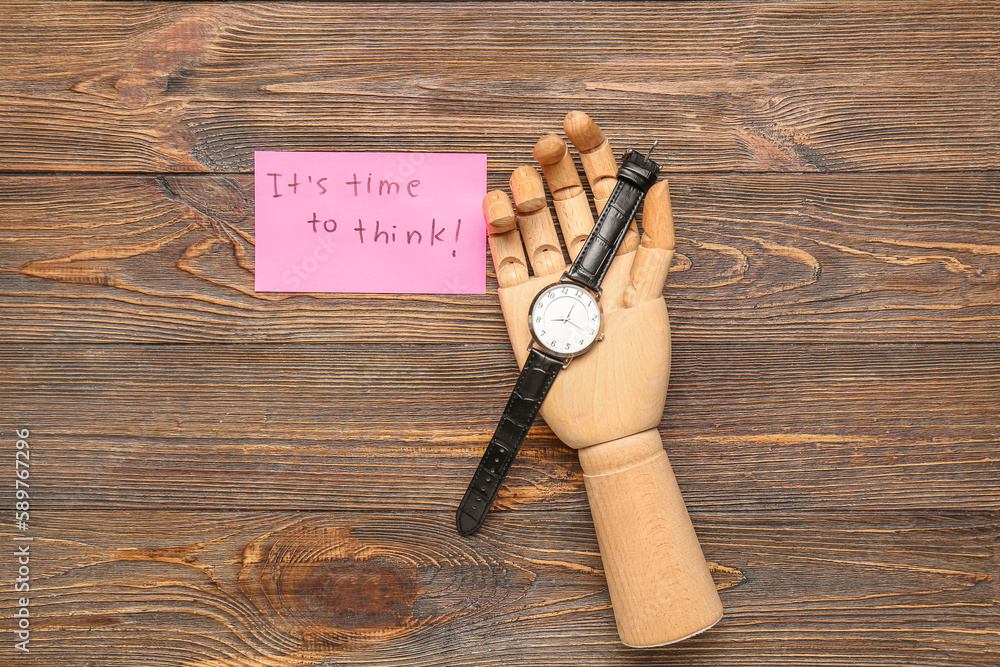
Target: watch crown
{"points": [[601, 337]]}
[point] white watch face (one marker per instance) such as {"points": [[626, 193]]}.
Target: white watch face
{"points": [[565, 319]]}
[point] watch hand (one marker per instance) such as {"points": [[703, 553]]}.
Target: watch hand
{"points": [[574, 324]]}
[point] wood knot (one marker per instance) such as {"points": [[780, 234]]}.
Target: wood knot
{"points": [[330, 588], [335, 599], [324, 584]]}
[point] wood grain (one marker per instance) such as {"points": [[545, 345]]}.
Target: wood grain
{"points": [[905, 257], [225, 478], [254, 588], [321, 427], [776, 86]]}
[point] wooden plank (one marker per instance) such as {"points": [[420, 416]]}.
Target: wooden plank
{"points": [[779, 258], [288, 499], [777, 86], [348, 427], [387, 587]]}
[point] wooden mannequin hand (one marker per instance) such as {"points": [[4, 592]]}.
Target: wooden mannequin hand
{"points": [[618, 388], [609, 400]]}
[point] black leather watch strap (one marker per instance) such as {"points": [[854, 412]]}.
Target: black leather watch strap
{"points": [[636, 175], [532, 385]]}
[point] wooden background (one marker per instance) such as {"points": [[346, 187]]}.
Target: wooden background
{"points": [[220, 477]]}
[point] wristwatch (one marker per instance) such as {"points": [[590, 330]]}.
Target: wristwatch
{"points": [[565, 321]]}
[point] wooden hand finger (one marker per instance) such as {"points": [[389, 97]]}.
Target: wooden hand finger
{"points": [[533, 217], [655, 252], [572, 208], [599, 164], [505, 241]]}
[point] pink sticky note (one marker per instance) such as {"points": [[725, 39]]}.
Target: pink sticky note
{"points": [[370, 222]]}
